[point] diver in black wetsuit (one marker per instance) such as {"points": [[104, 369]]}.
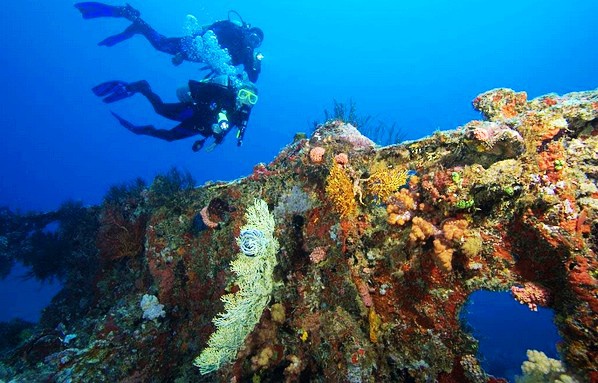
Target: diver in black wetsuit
{"points": [[240, 40], [209, 107]]}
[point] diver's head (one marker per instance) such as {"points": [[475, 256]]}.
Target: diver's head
{"points": [[254, 37], [247, 96]]}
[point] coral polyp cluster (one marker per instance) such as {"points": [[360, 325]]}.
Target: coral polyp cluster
{"points": [[373, 268]]}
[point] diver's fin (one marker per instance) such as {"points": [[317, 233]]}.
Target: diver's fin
{"points": [[112, 91], [92, 10], [147, 130], [107, 87], [125, 123], [118, 95]]}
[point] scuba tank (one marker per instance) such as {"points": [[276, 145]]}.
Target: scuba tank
{"points": [[237, 19]]}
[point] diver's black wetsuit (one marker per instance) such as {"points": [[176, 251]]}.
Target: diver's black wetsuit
{"points": [[232, 37], [196, 117]]}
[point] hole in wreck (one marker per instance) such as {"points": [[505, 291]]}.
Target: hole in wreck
{"points": [[25, 298], [506, 329]]}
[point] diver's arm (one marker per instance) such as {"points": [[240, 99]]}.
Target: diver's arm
{"points": [[245, 112], [253, 65]]}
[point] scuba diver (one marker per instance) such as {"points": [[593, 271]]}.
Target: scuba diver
{"points": [[209, 107], [236, 36]]}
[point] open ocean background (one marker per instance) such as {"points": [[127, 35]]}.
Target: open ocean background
{"points": [[417, 64]]}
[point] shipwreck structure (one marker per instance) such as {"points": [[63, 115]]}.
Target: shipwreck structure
{"points": [[376, 251]]}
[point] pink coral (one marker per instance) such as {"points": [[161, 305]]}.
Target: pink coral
{"points": [[318, 254], [532, 295], [364, 290], [205, 217], [341, 159], [489, 132], [316, 154], [493, 136]]}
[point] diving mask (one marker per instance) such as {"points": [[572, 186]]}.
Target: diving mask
{"points": [[246, 96]]}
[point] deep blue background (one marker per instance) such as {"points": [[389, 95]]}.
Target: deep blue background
{"points": [[417, 63], [506, 329]]}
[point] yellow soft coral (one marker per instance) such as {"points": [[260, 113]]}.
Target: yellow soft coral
{"points": [[339, 190], [375, 323], [384, 182]]}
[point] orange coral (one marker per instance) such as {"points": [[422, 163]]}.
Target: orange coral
{"points": [[443, 255], [546, 160], [421, 230], [399, 207], [404, 198], [455, 230], [398, 219]]}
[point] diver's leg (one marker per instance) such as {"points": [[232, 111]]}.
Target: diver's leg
{"points": [[179, 132], [176, 111], [170, 45]]}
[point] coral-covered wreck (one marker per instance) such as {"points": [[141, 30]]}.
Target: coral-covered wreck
{"points": [[354, 269]]}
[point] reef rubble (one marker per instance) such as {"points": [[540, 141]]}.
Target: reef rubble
{"points": [[378, 250]]}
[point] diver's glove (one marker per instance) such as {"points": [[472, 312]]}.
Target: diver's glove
{"points": [[197, 145], [177, 59], [211, 147]]}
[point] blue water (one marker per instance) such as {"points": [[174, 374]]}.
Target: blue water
{"points": [[417, 63], [506, 329], [22, 297]]}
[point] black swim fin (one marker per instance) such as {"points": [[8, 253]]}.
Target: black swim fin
{"points": [[92, 10], [124, 122], [147, 130], [107, 87], [112, 91]]}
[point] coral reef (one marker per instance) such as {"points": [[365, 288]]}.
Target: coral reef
{"points": [[379, 250]]}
